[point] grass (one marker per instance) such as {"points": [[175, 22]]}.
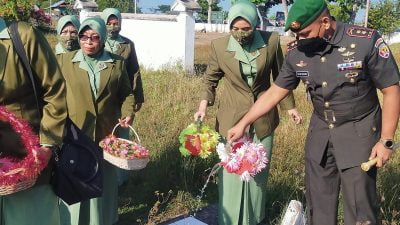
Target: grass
{"points": [[168, 186]]}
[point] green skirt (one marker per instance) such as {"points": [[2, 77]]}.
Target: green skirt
{"points": [[97, 211], [243, 203], [34, 206]]}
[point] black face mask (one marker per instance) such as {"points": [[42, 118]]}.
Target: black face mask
{"points": [[310, 45]]}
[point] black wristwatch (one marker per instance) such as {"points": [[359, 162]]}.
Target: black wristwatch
{"points": [[388, 143]]}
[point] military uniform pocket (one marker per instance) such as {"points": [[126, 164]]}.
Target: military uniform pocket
{"points": [[367, 127]]}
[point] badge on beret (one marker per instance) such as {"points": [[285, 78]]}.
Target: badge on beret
{"points": [[295, 25]]}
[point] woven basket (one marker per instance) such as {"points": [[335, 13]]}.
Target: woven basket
{"points": [[127, 164], [19, 186]]}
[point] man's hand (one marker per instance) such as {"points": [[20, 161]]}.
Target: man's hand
{"points": [[235, 133], [295, 116], [381, 153], [125, 122]]}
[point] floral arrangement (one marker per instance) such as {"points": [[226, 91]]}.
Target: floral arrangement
{"points": [[123, 148], [14, 170], [198, 140], [244, 158]]}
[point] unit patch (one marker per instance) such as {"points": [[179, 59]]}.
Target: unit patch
{"points": [[360, 32], [302, 74], [349, 66], [378, 42], [384, 51]]}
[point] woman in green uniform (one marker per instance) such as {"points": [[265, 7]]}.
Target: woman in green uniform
{"points": [[67, 32], [244, 59], [98, 97], [124, 47]]}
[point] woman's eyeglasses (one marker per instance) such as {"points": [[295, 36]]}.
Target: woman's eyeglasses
{"points": [[95, 38]]}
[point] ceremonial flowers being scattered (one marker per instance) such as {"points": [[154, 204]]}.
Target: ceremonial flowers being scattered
{"points": [[14, 170], [244, 158], [198, 140], [123, 148]]}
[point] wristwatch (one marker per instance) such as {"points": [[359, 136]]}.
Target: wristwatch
{"points": [[388, 143]]}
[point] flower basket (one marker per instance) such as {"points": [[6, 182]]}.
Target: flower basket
{"points": [[123, 153], [244, 158], [198, 140], [17, 174]]}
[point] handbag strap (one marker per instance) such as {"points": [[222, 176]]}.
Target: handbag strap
{"points": [[19, 48]]}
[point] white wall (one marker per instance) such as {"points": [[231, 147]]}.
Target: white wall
{"points": [[160, 40]]}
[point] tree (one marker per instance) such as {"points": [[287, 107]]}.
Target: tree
{"points": [[125, 6], [204, 4], [384, 17], [164, 8], [346, 10], [16, 9]]}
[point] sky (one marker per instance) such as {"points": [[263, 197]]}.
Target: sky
{"points": [[148, 5]]}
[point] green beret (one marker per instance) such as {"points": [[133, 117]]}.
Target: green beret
{"points": [[303, 13]]}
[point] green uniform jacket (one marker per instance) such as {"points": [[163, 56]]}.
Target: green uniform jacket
{"points": [[237, 97], [128, 52], [16, 91], [97, 117]]}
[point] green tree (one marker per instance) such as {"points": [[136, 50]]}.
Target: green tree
{"points": [[203, 14], [164, 8], [16, 9], [338, 12], [125, 6], [384, 17], [346, 10]]}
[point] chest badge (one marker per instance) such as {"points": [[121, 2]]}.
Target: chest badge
{"points": [[341, 49], [347, 54], [301, 64], [302, 74], [351, 75], [349, 66]]}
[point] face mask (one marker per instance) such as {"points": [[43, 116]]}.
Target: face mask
{"points": [[70, 43], [313, 44], [243, 37], [113, 31]]}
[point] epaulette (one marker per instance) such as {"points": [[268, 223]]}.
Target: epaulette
{"points": [[291, 45], [362, 32]]}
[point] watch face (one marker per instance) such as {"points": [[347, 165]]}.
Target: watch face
{"points": [[389, 144]]}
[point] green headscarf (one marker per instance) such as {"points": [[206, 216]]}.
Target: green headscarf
{"points": [[67, 19], [96, 24], [246, 10], [112, 31], [70, 43]]}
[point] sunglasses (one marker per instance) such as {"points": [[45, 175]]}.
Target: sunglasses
{"points": [[95, 38]]}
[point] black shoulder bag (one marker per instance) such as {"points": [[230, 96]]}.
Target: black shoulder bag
{"points": [[77, 174]]}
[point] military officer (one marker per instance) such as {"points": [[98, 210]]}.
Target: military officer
{"points": [[341, 65], [37, 205]]}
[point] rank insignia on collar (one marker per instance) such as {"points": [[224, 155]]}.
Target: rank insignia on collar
{"points": [[342, 49], [347, 54], [301, 64], [362, 32]]}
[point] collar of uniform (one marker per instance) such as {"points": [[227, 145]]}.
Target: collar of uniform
{"points": [[59, 49], [104, 57], [3, 30], [338, 35], [119, 40]]}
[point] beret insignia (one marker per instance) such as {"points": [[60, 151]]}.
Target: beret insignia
{"points": [[361, 32], [295, 25]]}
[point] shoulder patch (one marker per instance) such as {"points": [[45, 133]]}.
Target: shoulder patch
{"points": [[291, 45], [362, 32]]}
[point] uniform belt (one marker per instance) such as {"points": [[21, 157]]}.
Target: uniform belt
{"points": [[337, 117]]}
